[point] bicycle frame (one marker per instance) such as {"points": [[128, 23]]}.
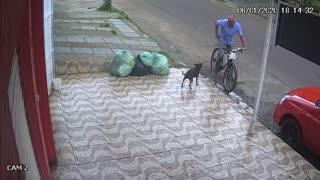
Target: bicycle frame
{"points": [[230, 62], [231, 56], [228, 68]]}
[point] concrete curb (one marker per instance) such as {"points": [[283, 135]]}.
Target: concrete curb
{"points": [[235, 97]]}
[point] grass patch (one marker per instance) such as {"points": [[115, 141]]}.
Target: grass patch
{"points": [[103, 9], [172, 62], [114, 32], [121, 15]]}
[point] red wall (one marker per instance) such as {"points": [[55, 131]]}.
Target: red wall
{"points": [[10, 26], [40, 77], [22, 29]]}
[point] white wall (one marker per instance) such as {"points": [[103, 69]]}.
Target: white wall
{"points": [[19, 124], [48, 45]]}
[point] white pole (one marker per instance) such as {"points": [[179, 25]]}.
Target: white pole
{"points": [[262, 71]]}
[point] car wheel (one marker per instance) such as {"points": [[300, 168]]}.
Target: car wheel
{"points": [[291, 133]]}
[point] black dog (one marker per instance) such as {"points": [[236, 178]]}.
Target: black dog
{"points": [[192, 73]]}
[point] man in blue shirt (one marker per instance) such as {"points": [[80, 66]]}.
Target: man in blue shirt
{"points": [[228, 27]]}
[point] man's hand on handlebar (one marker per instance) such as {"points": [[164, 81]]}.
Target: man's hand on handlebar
{"points": [[242, 50]]}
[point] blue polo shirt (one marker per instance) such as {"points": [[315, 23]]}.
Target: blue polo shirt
{"points": [[226, 33]]}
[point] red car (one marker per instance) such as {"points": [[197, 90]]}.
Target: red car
{"points": [[298, 115]]}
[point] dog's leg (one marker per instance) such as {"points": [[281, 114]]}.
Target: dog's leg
{"points": [[191, 80], [183, 82], [197, 80]]}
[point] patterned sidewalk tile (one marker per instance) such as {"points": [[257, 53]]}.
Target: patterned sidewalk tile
{"points": [[65, 172], [65, 156], [232, 170], [241, 147], [287, 158], [202, 174], [304, 172], [261, 166], [147, 127]]}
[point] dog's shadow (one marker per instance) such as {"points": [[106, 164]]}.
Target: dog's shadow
{"points": [[187, 93]]}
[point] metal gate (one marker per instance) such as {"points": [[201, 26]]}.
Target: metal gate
{"points": [[48, 16]]}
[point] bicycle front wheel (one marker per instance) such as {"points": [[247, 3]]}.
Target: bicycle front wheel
{"points": [[230, 78], [213, 60]]}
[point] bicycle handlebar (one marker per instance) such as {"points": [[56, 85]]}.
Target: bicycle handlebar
{"points": [[235, 50], [239, 50]]}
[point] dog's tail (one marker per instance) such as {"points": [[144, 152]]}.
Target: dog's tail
{"points": [[183, 73]]}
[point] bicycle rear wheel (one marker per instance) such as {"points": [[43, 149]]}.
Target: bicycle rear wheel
{"points": [[213, 60], [230, 78]]}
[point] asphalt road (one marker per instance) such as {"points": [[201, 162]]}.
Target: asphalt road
{"points": [[186, 27]]}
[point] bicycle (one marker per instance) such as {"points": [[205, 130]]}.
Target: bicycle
{"points": [[230, 74]]}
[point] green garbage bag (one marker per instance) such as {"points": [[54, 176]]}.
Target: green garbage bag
{"points": [[139, 68], [122, 64], [147, 58], [160, 65]]}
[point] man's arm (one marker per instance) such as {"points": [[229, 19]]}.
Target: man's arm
{"points": [[216, 31], [239, 31], [217, 24], [242, 43]]}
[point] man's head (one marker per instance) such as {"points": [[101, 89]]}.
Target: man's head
{"points": [[231, 21]]}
